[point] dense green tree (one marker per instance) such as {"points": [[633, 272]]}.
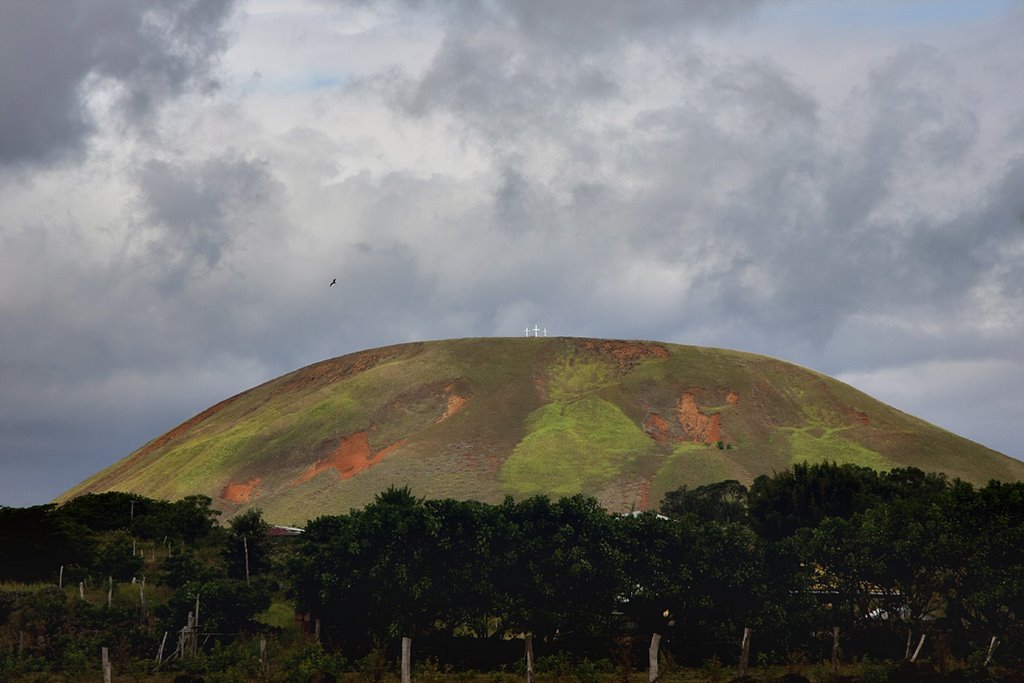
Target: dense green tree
{"points": [[841, 565], [909, 561], [380, 563], [116, 557], [889, 568], [703, 582], [188, 520], [724, 501], [464, 559], [226, 607], [985, 596], [802, 497], [658, 564], [184, 565], [43, 616], [910, 483], [37, 540], [551, 569], [108, 511], [247, 547], [734, 588], [561, 573]]}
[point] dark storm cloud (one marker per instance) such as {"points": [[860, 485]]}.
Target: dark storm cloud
{"points": [[201, 209], [104, 350], [982, 245], [599, 22], [488, 85], [55, 55], [578, 24]]}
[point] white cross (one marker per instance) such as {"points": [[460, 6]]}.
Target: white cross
{"points": [[527, 331], [536, 331], [545, 331]]}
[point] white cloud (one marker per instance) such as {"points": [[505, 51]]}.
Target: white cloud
{"points": [[976, 398]]}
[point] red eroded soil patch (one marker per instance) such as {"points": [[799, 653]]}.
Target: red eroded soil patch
{"points": [[696, 425], [240, 492], [351, 456], [732, 398], [625, 354], [656, 427], [455, 404]]}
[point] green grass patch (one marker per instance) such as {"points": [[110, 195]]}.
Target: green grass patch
{"points": [[280, 615], [694, 464], [572, 448], [571, 376], [19, 587], [817, 445]]}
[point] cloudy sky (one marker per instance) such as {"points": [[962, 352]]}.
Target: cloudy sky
{"points": [[839, 184]]}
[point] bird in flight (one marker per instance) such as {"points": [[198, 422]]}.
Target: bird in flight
{"points": [[332, 282]]}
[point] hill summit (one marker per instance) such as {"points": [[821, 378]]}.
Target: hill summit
{"points": [[624, 421]]}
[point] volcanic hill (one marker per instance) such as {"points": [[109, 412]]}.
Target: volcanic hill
{"points": [[624, 421]]}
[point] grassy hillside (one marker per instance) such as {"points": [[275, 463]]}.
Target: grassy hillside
{"points": [[484, 418]]}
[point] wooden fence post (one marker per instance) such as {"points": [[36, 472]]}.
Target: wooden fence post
{"points": [[81, 589], [60, 577], [188, 636], [406, 660], [744, 653], [195, 642], [529, 658], [917, 651], [991, 648], [160, 652], [106, 666], [110, 591], [264, 665], [835, 649], [652, 658]]}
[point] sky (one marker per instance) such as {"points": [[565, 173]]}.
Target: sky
{"points": [[837, 184]]}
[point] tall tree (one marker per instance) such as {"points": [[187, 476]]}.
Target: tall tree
{"points": [[562, 573], [724, 501], [803, 496], [247, 548], [37, 540]]}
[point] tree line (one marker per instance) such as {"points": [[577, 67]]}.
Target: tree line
{"points": [[821, 561], [816, 559]]}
